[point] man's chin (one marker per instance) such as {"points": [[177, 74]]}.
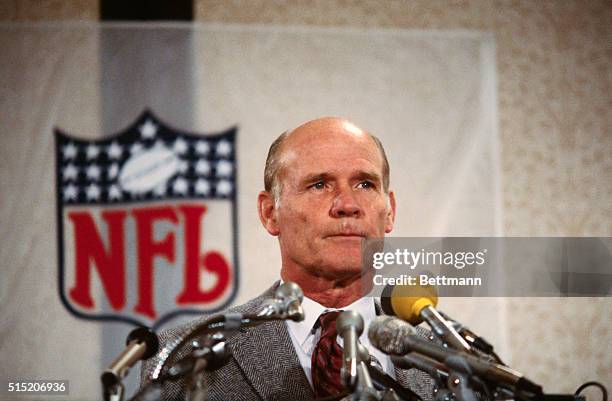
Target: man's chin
{"points": [[342, 267]]}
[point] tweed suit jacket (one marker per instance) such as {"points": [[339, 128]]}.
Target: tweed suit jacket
{"points": [[263, 366]]}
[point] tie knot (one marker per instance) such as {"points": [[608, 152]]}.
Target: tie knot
{"points": [[327, 321]]}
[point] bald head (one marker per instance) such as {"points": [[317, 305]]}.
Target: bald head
{"points": [[283, 149]]}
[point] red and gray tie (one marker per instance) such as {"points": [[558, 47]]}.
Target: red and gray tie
{"points": [[327, 359]]}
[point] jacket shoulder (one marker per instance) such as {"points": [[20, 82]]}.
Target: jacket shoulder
{"points": [[174, 335]]}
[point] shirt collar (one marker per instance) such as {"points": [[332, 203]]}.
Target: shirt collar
{"points": [[312, 310]]}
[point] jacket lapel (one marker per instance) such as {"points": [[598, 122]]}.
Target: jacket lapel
{"points": [[268, 360], [410, 378]]}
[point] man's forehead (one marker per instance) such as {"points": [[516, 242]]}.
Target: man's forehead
{"points": [[329, 139], [326, 127], [324, 132]]}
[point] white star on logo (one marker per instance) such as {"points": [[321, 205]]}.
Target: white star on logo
{"points": [[113, 170], [70, 172], [70, 192], [114, 193], [114, 150], [160, 190], [202, 167], [135, 148], [183, 166], [202, 148], [224, 188], [148, 129], [93, 192], [180, 146], [180, 186], [224, 168], [202, 187], [93, 172], [224, 148], [70, 151], [92, 151]]}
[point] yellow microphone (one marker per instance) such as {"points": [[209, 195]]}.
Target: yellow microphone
{"points": [[408, 301], [415, 303]]}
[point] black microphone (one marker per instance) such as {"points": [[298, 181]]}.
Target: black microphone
{"points": [[472, 338], [415, 303], [141, 343], [396, 337], [349, 326]]}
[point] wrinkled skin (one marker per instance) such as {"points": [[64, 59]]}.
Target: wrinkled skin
{"points": [[332, 197]]}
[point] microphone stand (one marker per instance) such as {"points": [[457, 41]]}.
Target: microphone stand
{"points": [[210, 354], [141, 343], [459, 379], [364, 388], [214, 332], [286, 304], [113, 392]]}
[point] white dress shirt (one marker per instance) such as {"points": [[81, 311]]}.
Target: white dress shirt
{"points": [[304, 340]]}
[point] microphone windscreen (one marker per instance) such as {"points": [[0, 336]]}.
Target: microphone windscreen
{"points": [[349, 319], [289, 290], [407, 301], [387, 333], [146, 335]]}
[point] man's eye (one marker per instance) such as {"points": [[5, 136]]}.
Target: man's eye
{"points": [[366, 185], [318, 185]]}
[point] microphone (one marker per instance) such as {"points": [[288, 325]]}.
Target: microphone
{"points": [[383, 381], [141, 343], [472, 338], [396, 337], [286, 304], [210, 353], [417, 361], [349, 326], [415, 303]]}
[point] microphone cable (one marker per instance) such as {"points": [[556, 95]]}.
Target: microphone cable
{"points": [[604, 392]]}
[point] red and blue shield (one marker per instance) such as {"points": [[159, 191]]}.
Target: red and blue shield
{"points": [[147, 223]]}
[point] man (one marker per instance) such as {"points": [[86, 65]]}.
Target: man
{"points": [[326, 189]]}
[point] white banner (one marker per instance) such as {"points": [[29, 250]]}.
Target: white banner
{"points": [[429, 96]]}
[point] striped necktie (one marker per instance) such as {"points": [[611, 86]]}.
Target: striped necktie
{"points": [[327, 359]]}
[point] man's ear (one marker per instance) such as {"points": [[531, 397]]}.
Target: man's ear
{"points": [[267, 212], [390, 213]]}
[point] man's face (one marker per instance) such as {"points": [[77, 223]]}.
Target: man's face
{"points": [[332, 197]]}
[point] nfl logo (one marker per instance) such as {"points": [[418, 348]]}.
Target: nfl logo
{"points": [[147, 223]]}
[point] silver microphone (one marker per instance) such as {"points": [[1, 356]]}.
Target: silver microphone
{"points": [[142, 343], [286, 304], [396, 337], [349, 326]]}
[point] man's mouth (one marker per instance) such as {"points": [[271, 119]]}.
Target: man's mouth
{"points": [[348, 235]]}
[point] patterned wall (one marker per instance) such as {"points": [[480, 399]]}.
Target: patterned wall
{"points": [[554, 90], [555, 93]]}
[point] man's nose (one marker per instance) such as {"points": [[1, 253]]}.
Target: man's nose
{"points": [[345, 204]]}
